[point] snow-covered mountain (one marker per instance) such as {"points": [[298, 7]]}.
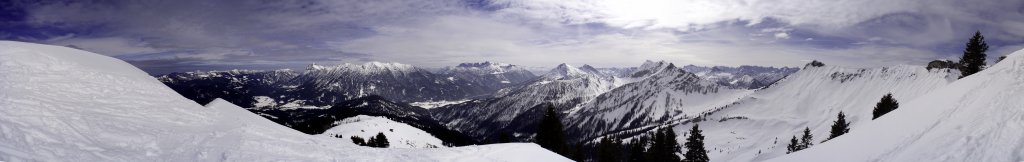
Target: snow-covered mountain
{"points": [[661, 93], [237, 86], [759, 126], [976, 118], [749, 77], [321, 86], [492, 76], [317, 121], [514, 110], [58, 103], [399, 135], [325, 85]]}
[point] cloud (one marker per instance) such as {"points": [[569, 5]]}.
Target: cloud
{"points": [[164, 36]]}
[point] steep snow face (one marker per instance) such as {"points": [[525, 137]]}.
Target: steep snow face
{"points": [[511, 111], [662, 96], [977, 118], [59, 103], [493, 76], [759, 126], [399, 135]]}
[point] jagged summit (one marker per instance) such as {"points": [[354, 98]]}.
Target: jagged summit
{"points": [[566, 71]]}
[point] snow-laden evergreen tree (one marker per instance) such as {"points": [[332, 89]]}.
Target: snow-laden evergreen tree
{"points": [[806, 141], [550, 132], [839, 127], [973, 60], [695, 151], [886, 105], [794, 145]]}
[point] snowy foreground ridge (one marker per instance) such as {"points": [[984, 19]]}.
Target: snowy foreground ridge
{"points": [[62, 104], [977, 118]]}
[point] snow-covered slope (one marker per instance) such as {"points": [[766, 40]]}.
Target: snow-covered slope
{"points": [[326, 85], [514, 110], [977, 118], [750, 77], [663, 93], [759, 126], [399, 135], [492, 76], [236, 86], [59, 104]]}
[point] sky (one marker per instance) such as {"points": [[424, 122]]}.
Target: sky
{"points": [[163, 36]]}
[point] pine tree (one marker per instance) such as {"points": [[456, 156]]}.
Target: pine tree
{"points": [[372, 142], [608, 150], [656, 152], [382, 141], [807, 140], [973, 60], [638, 148], [886, 105], [839, 127], [695, 151], [794, 146], [358, 140], [550, 134]]}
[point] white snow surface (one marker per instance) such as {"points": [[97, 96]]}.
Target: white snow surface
{"points": [[977, 118], [399, 135], [58, 103], [758, 127], [435, 104]]}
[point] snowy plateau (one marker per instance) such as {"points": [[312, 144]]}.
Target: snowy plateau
{"points": [[59, 103]]}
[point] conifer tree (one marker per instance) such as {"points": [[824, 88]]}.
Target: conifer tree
{"points": [[358, 140], [372, 142], [807, 140], [637, 150], [973, 60], [839, 127], [886, 105], [794, 146], [382, 141], [656, 153], [695, 151], [550, 133], [608, 150]]}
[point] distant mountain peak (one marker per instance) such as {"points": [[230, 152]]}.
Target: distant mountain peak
{"points": [[484, 64], [372, 66]]}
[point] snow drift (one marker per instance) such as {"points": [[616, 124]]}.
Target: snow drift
{"points": [[977, 118], [59, 103]]}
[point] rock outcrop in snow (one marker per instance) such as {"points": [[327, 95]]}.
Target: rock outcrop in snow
{"points": [[58, 103]]}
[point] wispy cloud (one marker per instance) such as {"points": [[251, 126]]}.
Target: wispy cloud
{"points": [[164, 36]]}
